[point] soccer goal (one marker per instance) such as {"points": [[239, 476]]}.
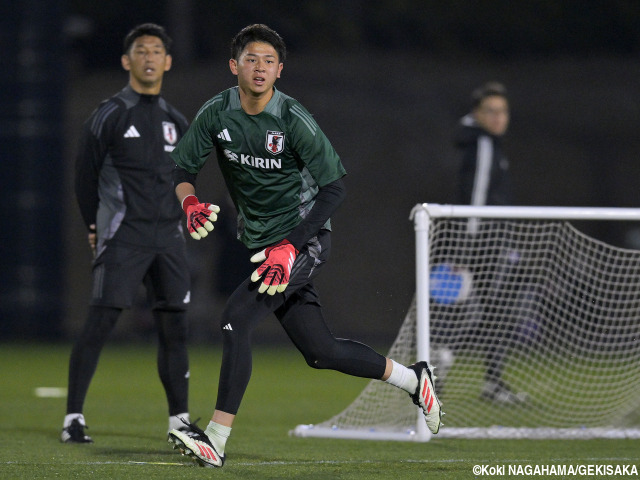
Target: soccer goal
{"points": [[533, 325]]}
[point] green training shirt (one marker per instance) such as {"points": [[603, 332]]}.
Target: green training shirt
{"points": [[273, 163]]}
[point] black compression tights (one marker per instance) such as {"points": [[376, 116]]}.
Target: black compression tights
{"points": [[304, 325], [86, 352], [173, 360], [173, 364]]}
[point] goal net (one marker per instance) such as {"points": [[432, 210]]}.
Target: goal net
{"points": [[534, 328]]}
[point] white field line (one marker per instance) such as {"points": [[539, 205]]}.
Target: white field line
{"points": [[528, 461]]}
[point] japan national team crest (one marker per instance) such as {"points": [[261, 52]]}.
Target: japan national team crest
{"points": [[170, 134], [275, 141]]}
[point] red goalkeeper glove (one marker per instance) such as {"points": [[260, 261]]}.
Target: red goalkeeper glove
{"points": [[200, 216], [277, 262]]}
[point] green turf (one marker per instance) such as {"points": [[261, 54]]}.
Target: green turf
{"points": [[126, 413]]}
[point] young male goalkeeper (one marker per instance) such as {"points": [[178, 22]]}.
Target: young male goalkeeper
{"points": [[285, 180]]}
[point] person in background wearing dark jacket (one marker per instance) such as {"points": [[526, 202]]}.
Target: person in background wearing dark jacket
{"points": [[484, 170], [124, 188], [485, 180]]}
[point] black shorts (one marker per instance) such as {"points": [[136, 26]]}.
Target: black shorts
{"points": [[120, 269]]}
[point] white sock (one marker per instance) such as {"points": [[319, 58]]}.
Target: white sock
{"points": [[71, 417], [403, 377], [218, 434], [175, 422]]}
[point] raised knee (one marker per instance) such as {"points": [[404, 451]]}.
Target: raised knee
{"points": [[321, 361], [314, 362]]}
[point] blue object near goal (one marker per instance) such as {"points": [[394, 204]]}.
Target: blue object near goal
{"points": [[449, 284]]}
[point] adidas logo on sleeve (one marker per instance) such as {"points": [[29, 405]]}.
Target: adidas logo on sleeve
{"points": [[224, 135]]}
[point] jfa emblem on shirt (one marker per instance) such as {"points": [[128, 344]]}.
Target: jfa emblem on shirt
{"points": [[170, 134], [275, 141]]}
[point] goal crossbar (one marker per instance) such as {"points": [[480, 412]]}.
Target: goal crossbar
{"points": [[435, 210]]}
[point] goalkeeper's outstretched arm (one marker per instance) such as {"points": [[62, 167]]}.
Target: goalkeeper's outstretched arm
{"points": [[200, 216], [185, 183], [327, 202], [183, 190]]}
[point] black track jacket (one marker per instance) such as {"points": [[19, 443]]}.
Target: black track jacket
{"points": [[123, 178], [484, 169]]}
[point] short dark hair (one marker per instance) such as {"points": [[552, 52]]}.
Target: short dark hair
{"points": [[258, 32], [489, 89], [150, 29]]}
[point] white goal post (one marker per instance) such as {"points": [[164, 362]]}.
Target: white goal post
{"points": [[534, 327]]}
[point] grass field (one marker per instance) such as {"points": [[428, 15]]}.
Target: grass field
{"points": [[126, 413]]}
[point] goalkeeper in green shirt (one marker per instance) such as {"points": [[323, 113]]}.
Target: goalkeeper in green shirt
{"points": [[285, 180]]}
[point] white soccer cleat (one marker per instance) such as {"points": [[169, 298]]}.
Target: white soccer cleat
{"points": [[425, 396], [196, 445]]}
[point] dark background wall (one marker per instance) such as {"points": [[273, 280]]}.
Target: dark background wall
{"points": [[386, 81]]}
